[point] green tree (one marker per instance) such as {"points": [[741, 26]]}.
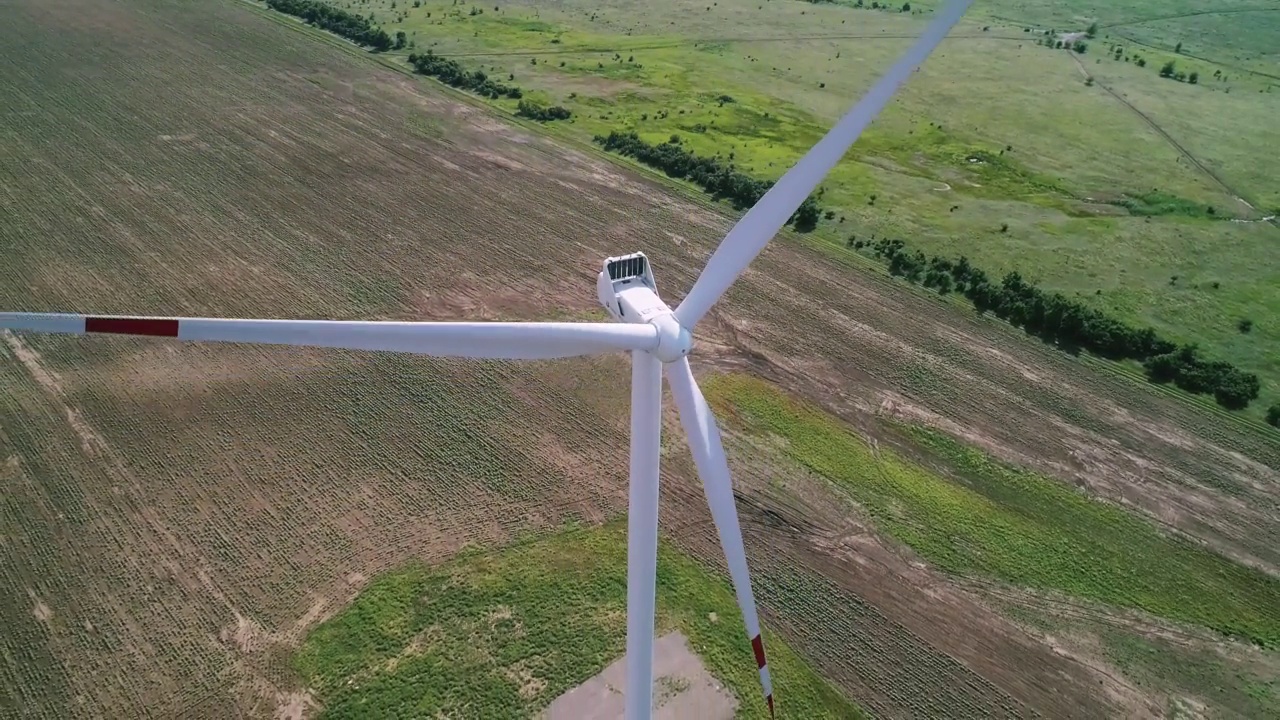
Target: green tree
{"points": [[1080, 46], [1178, 48], [1193, 78], [1273, 415], [1092, 31], [401, 40], [1235, 389], [1168, 70], [906, 7]]}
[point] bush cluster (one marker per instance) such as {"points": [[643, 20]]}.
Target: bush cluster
{"points": [[718, 178], [452, 74], [541, 113], [339, 22], [1070, 325]]}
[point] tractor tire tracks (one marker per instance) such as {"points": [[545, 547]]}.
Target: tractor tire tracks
{"points": [[1233, 192]]}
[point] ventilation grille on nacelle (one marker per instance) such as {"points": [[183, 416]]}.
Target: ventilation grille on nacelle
{"points": [[628, 267]]}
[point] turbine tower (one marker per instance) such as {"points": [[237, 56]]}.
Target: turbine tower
{"points": [[658, 338]]}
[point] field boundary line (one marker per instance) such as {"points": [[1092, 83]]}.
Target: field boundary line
{"points": [[1142, 21], [724, 40], [1128, 23], [1237, 194], [1211, 61]]}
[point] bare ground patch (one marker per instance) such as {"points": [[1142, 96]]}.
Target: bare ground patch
{"points": [[683, 688], [294, 706]]}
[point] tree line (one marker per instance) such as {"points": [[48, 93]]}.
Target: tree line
{"points": [[1053, 317], [1070, 325], [452, 74], [720, 179], [353, 27]]}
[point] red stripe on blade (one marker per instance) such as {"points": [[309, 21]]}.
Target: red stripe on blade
{"points": [[769, 699], [758, 645], [132, 326]]}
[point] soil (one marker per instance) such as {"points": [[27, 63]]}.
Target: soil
{"points": [[682, 689]]}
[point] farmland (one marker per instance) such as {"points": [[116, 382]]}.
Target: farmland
{"points": [[1014, 526], [184, 526], [1071, 202]]}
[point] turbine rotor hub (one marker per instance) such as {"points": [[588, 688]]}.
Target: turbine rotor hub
{"points": [[674, 340], [629, 292]]}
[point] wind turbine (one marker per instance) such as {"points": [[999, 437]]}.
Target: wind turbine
{"points": [[657, 337]]}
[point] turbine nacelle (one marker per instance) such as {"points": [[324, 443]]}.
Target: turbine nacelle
{"points": [[629, 293]]}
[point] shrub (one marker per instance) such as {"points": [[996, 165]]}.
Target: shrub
{"points": [[452, 74], [1072, 326], [339, 22], [534, 111], [719, 179]]}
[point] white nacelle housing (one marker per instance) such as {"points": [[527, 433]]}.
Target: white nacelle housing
{"points": [[628, 291]]}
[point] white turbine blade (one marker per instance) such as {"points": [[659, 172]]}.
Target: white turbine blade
{"points": [[491, 340], [708, 455], [642, 532], [767, 217]]}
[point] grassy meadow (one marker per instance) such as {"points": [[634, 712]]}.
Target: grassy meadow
{"points": [[1087, 197], [503, 633]]}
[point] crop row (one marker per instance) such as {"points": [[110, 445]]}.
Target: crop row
{"points": [[196, 484], [1017, 526], [827, 611]]}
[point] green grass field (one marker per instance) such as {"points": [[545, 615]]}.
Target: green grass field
{"points": [[998, 522], [1233, 32], [1170, 666], [1179, 671], [501, 634], [1070, 153]]}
